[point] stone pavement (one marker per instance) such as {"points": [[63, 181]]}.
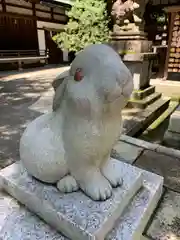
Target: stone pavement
{"points": [[10, 75], [165, 223], [25, 98], [168, 87]]}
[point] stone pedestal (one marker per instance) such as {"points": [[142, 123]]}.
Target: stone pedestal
{"points": [[74, 215], [130, 42], [135, 51], [139, 65]]}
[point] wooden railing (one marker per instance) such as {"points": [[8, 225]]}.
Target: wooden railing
{"points": [[23, 53], [21, 56]]}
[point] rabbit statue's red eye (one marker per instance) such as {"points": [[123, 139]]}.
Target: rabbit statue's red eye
{"points": [[78, 76]]}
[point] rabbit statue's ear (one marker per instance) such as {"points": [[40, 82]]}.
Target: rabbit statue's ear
{"points": [[59, 79], [59, 95]]}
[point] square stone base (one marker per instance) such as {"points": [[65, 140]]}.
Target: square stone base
{"points": [[75, 215], [54, 207]]}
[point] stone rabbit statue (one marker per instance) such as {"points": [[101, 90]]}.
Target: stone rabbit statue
{"points": [[71, 145]]}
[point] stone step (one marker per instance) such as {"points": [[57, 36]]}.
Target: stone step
{"points": [[166, 114], [75, 215], [156, 131], [134, 123], [141, 94], [143, 103], [16, 222]]}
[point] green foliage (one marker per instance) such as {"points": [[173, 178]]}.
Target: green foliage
{"points": [[160, 17], [88, 24]]}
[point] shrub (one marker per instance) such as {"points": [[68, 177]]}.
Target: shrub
{"points": [[88, 24]]}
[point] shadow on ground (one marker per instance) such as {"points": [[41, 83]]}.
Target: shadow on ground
{"points": [[16, 97]]}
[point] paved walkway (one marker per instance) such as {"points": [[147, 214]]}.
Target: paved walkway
{"points": [[167, 87], [24, 97], [30, 71]]}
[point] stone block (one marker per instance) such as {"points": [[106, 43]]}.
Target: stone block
{"points": [[138, 142], [168, 151], [18, 223], [143, 93], [74, 215], [150, 146], [126, 152], [124, 45], [174, 123], [166, 222], [143, 103]]}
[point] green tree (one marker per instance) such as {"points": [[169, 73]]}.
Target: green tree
{"points": [[88, 24]]}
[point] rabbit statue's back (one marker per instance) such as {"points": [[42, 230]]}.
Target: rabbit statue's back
{"points": [[71, 146]]}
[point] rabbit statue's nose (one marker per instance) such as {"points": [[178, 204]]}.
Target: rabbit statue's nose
{"points": [[78, 75]]}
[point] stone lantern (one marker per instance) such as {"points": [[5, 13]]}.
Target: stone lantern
{"points": [[130, 40]]}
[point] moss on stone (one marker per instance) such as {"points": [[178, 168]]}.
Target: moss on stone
{"points": [[175, 98], [172, 107]]}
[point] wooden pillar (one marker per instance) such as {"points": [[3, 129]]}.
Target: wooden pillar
{"points": [[20, 65], [52, 14], [34, 9], [171, 17], [3, 5], [35, 24]]}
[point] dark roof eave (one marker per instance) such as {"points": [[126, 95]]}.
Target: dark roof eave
{"points": [[54, 3]]}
